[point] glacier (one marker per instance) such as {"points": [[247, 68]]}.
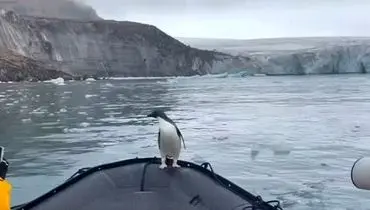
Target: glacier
{"points": [[295, 56]]}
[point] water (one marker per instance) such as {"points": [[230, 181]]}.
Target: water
{"points": [[290, 138]]}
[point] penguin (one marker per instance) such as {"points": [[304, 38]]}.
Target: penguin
{"points": [[169, 138]]}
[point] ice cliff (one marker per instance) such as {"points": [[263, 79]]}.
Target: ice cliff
{"points": [[296, 56], [106, 48], [329, 60]]}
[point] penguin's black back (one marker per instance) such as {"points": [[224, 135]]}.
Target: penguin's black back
{"points": [[162, 114]]}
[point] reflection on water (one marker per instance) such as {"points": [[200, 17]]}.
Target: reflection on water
{"points": [[291, 138]]}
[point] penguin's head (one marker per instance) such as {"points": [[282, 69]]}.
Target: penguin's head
{"points": [[157, 113]]}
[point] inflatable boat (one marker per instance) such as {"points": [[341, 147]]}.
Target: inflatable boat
{"points": [[139, 184]]}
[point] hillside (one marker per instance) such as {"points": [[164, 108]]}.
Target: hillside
{"points": [[107, 48]]}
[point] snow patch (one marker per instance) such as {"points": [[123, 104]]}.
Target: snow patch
{"points": [[58, 57]]}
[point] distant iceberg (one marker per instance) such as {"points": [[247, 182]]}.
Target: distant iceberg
{"points": [[240, 74], [90, 79], [57, 81], [222, 75]]}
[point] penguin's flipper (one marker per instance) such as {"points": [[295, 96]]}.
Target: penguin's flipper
{"points": [[180, 136], [159, 139]]}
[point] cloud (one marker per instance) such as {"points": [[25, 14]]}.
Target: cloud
{"points": [[50, 8], [244, 19]]}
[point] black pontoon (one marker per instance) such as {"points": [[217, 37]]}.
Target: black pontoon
{"points": [[138, 184]]}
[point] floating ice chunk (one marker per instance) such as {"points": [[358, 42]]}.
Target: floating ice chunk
{"points": [[57, 81], [38, 111], [26, 120], [73, 130], [84, 124], [89, 96], [172, 81], [62, 110], [90, 79]]}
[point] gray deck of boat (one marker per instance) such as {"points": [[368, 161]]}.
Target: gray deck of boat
{"points": [[119, 189]]}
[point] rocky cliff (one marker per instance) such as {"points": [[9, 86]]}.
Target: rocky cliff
{"points": [[297, 56], [15, 67], [107, 48]]}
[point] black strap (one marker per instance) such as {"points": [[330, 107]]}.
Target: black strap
{"points": [[258, 204], [80, 171], [143, 176], [195, 200]]}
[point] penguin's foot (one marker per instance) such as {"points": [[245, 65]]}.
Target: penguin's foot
{"points": [[162, 166], [175, 165], [163, 163]]}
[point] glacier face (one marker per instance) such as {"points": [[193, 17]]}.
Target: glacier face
{"points": [[330, 60], [298, 56]]}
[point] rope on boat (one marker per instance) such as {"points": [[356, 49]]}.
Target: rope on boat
{"points": [[257, 204]]}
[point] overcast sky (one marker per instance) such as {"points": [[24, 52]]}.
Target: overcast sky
{"points": [[244, 19]]}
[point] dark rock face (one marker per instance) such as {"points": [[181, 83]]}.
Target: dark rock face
{"points": [[107, 48], [15, 67]]}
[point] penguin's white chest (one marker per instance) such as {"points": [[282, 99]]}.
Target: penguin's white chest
{"points": [[169, 141]]}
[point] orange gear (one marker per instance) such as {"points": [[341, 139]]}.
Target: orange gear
{"points": [[5, 194]]}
